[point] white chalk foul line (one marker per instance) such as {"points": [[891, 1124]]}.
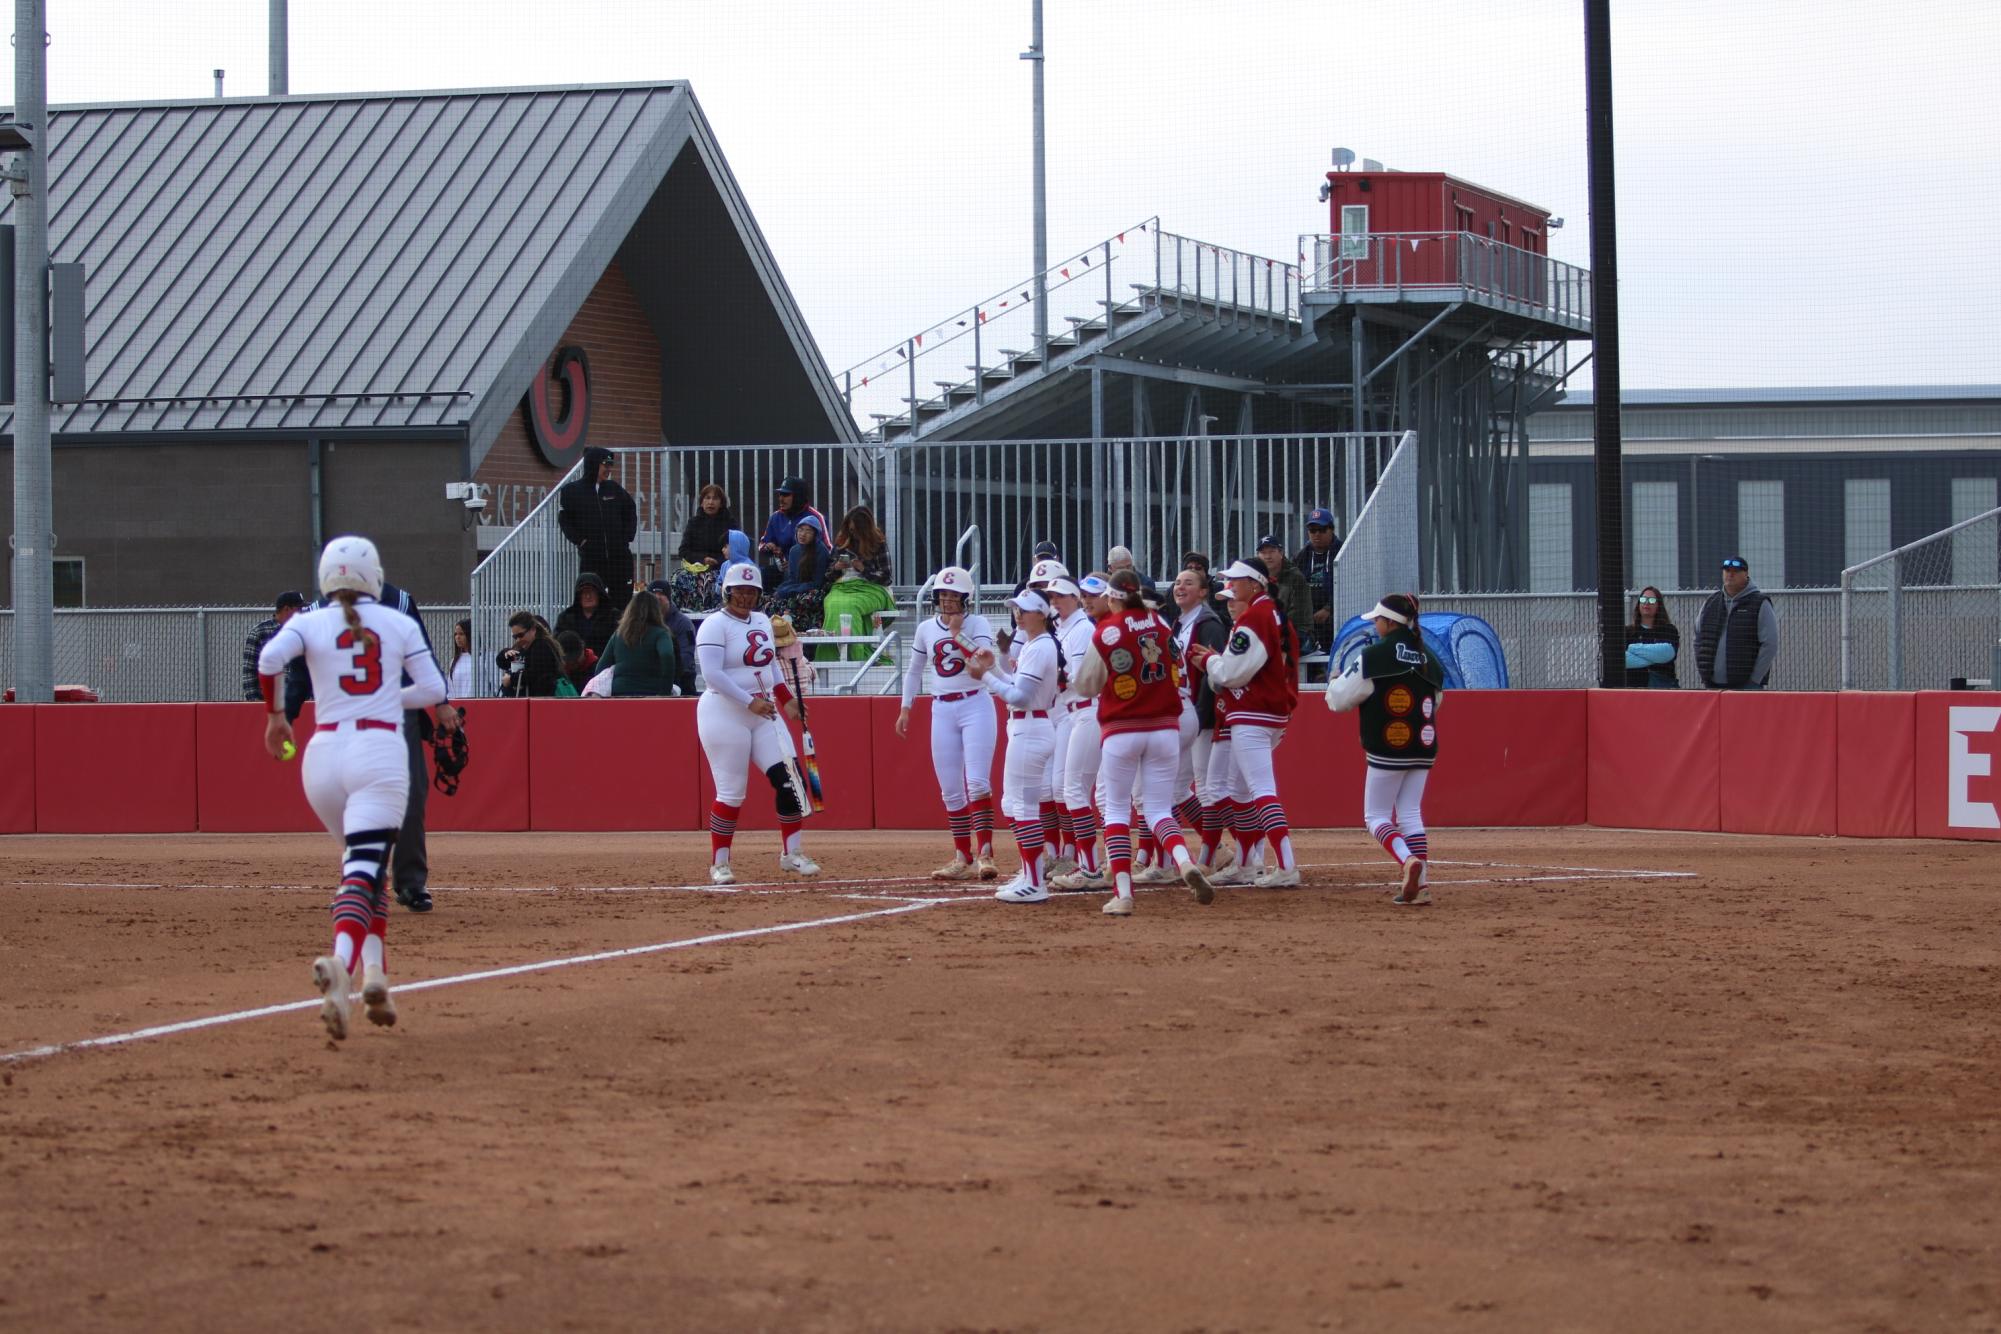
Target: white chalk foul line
{"points": [[486, 975]]}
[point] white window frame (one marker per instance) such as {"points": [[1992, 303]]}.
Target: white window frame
{"points": [[1354, 240], [82, 579]]}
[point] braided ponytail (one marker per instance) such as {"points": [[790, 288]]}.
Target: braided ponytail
{"points": [[346, 597]]}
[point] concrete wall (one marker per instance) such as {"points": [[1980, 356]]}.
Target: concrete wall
{"points": [[231, 524]]}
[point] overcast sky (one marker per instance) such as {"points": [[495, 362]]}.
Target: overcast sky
{"points": [[1808, 189]]}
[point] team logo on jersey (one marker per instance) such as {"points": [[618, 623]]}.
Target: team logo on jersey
{"points": [[1111, 635], [1240, 642], [1150, 649], [1124, 687], [1398, 701], [1397, 734], [1121, 660], [1429, 736], [1412, 656]]}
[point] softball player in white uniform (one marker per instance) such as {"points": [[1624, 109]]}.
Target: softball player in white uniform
{"points": [[739, 725], [1077, 790], [1072, 629], [963, 732], [1029, 692], [356, 769]]}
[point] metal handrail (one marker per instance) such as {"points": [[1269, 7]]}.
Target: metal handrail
{"points": [[1491, 269], [1894, 600], [888, 643]]}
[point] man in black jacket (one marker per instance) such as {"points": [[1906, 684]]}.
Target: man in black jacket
{"points": [[599, 517], [1196, 622], [260, 634], [1316, 561], [409, 860], [1737, 637]]}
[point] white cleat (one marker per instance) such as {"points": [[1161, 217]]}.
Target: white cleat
{"points": [[1277, 878], [1018, 890], [1061, 866], [1119, 906], [956, 870], [1198, 880], [1079, 880], [381, 1008], [721, 874], [1413, 879], [799, 864], [988, 871], [1154, 875], [330, 979], [1423, 899], [1231, 875]]}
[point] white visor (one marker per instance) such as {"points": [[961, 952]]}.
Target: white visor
{"points": [[1243, 570], [1228, 594], [1029, 600], [1064, 587], [1387, 614]]}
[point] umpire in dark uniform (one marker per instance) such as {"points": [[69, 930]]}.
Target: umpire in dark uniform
{"points": [[409, 862]]}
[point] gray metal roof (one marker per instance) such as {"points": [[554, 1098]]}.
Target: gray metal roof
{"points": [[1790, 394], [376, 260]]}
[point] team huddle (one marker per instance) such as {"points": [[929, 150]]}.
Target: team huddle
{"points": [[1134, 744]]}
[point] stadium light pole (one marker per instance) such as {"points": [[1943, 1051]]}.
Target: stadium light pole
{"points": [[281, 64], [1034, 54], [28, 179], [1605, 447]]}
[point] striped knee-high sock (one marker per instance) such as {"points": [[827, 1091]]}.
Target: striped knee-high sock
{"points": [[982, 807], [961, 822], [353, 914], [1271, 821], [1188, 812], [1084, 825], [1119, 853], [1052, 826], [1028, 841], [1392, 841], [1149, 849], [722, 831], [1173, 848], [1213, 819], [788, 836], [1244, 828], [1419, 845]]}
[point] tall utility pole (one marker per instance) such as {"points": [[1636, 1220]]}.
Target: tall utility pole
{"points": [[1034, 53], [281, 76], [28, 178], [1605, 448]]}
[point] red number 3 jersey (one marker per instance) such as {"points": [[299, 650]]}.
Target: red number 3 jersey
{"points": [[358, 676]]}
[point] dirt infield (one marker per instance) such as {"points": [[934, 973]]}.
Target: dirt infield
{"points": [[1762, 1094]]}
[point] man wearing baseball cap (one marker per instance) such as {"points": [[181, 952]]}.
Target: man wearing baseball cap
{"points": [[683, 631], [1737, 636], [1316, 561], [288, 603]]}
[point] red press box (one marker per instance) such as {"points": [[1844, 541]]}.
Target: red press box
{"points": [[17, 769], [115, 769], [1958, 758], [1779, 762], [1654, 759], [1876, 766]]}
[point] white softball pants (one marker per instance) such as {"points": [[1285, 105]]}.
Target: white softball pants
{"points": [[733, 740], [1250, 753], [1393, 802], [1080, 764], [1138, 769], [963, 735], [1025, 776], [357, 780]]}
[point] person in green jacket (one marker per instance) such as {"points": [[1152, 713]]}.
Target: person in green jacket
{"points": [[1289, 588], [640, 652]]}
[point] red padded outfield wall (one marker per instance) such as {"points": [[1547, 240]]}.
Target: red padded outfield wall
{"points": [[1876, 765]]}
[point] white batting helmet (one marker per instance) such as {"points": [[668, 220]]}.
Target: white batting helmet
{"points": [[953, 579], [351, 563], [742, 575], [1046, 570]]}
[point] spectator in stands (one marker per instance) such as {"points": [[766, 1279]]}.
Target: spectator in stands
{"points": [[682, 628], [1121, 558], [705, 547], [1043, 551], [599, 517], [1287, 584], [774, 551], [859, 585], [641, 655], [1651, 644], [1316, 561], [532, 665], [579, 663], [809, 566], [1737, 636], [591, 615], [461, 670], [282, 611]]}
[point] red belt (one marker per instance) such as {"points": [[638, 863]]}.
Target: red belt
{"points": [[1080, 704], [359, 725], [1032, 713], [963, 694]]}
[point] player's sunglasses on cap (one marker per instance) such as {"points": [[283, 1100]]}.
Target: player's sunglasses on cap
{"points": [[1734, 563], [1093, 585]]}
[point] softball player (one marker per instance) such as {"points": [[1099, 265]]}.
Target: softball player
{"points": [[1202, 801], [962, 720], [1073, 637], [737, 719], [1396, 683], [1256, 678], [1079, 790], [1130, 667], [356, 770], [1029, 691], [1243, 861]]}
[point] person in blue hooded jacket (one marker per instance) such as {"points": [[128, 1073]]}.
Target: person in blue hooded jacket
{"points": [[1652, 641], [809, 566]]}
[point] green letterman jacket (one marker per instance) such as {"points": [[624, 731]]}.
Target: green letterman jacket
{"points": [[1400, 715]]}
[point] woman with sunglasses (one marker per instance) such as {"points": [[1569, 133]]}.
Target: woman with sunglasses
{"points": [[1651, 644], [531, 665]]}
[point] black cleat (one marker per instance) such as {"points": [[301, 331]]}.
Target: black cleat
{"points": [[416, 900]]}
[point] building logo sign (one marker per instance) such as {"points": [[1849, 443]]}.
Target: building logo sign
{"points": [[1971, 786], [559, 407]]}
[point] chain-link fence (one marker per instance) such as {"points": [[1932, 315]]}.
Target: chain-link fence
{"points": [[148, 655], [1926, 613]]}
